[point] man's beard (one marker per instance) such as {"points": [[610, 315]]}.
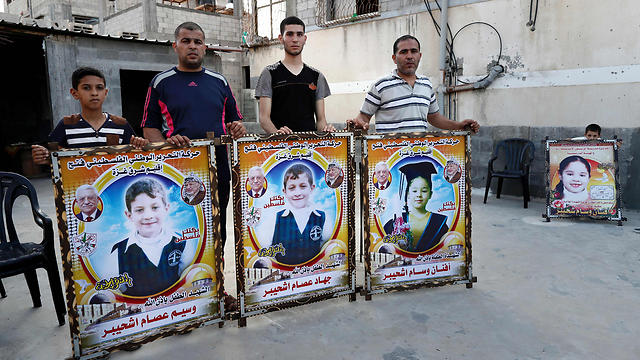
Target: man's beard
{"points": [[292, 53], [193, 65]]}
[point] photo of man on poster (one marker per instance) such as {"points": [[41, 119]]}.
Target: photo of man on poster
{"points": [[256, 182], [87, 200]]}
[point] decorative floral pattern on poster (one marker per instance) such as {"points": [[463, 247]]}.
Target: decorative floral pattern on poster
{"points": [[141, 242], [294, 225], [582, 179], [417, 209]]}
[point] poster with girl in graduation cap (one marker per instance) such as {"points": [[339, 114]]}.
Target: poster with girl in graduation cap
{"points": [[417, 210]]}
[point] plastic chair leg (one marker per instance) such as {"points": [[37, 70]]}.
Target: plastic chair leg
{"points": [[486, 189], [525, 191], [3, 293], [56, 292], [499, 187], [32, 282]]}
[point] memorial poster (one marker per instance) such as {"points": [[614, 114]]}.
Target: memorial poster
{"points": [[139, 235], [582, 179], [417, 194], [294, 219]]}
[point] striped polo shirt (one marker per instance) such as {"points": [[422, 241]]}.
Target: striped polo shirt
{"points": [[397, 106], [74, 132]]}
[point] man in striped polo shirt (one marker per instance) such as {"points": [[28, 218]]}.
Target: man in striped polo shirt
{"points": [[405, 101]]}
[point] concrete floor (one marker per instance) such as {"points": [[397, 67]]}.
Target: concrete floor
{"points": [[568, 289]]}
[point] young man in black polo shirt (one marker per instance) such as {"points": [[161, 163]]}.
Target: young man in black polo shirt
{"points": [[291, 93]]}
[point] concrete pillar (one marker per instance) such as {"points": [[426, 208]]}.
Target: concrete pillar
{"points": [[291, 8], [149, 17], [103, 14], [60, 10]]}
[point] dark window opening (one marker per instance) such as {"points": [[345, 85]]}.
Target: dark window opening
{"points": [[247, 77], [134, 85], [25, 106]]}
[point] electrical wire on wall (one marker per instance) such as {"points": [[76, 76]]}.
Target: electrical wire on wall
{"points": [[499, 39], [451, 74], [533, 17]]}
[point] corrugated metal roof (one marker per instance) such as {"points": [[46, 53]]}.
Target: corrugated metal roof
{"points": [[42, 27]]}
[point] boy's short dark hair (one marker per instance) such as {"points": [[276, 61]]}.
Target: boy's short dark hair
{"points": [[295, 171], [149, 186], [593, 127], [85, 71], [403, 38], [189, 25], [291, 20]]}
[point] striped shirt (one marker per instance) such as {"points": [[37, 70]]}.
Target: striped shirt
{"points": [[397, 106], [74, 132]]}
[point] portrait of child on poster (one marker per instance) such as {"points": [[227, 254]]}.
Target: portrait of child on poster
{"points": [[417, 209], [294, 219], [140, 235], [582, 179]]}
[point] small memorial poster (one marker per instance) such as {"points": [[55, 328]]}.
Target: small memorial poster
{"points": [[582, 178]]}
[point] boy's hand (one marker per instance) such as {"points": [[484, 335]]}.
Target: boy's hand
{"points": [[236, 129], [179, 141], [284, 130], [40, 154], [138, 142]]}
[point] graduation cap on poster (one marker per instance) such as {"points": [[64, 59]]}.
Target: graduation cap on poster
{"points": [[409, 172]]}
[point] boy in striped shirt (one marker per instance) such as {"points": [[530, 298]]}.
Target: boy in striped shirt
{"points": [[91, 127]]}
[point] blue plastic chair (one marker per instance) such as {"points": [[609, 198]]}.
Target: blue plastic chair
{"points": [[511, 160], [25, 257]]}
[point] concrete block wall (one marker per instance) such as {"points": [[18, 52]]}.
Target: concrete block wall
{"points": [[129, 20], [16, 7], [483, 143], [222, 29], [66, 53], [85, 7], [306, 11], [249, 105], [40, 8]]}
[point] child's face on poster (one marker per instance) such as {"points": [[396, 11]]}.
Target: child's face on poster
{"points": [[419, 194], [575, 177], [148, 214], [298, 191]]}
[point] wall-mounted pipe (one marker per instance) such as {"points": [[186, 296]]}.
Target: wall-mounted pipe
{"points": [[443, 51], [493, 74]]}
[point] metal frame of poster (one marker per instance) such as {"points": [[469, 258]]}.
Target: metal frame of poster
{"points": [[294, 203], [139, 235], [582, 179], [416, 195]]}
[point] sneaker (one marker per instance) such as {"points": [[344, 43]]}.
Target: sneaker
{"points": [[230, 303], [636, 230]]}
